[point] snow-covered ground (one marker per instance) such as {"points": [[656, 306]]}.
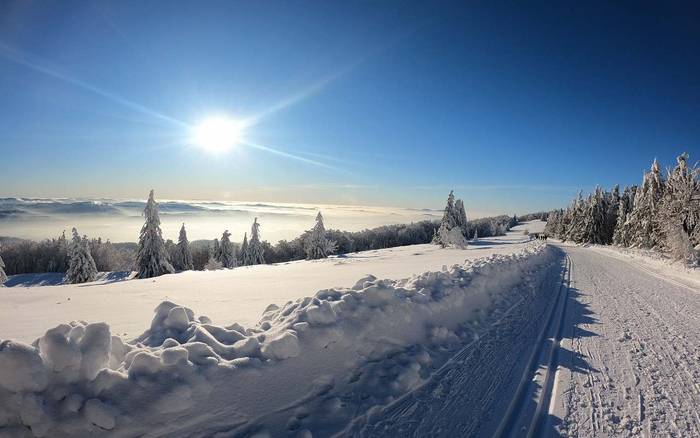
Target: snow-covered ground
{"points": [[521, 339], [316, 363], [530, 227], [237, 295], [630, 352]]}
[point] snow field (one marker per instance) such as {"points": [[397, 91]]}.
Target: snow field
{"points": [[228, 295], [186, 376]]}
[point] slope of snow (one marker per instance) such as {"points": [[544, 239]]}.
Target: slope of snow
{"points": [[238, 295], [298, 369], [536, 226]]}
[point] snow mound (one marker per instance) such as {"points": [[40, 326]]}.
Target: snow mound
{"points": [[78, 379]]}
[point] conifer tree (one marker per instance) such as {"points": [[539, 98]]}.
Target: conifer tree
{"points": [[183, 254], [612, 205], [152, 257], [81, 266], [227, 255], [453, 226], [575, 229], [678, 220], [244, 250], [644, 227], [215, 250], [318, 246], [254, 252], [448, 216], [621, 234], [461, 216]]}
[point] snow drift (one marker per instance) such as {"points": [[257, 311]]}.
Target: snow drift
{"points": [[79, 379]]}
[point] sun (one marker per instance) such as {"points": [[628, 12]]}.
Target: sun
{"points": [[218, 134]]}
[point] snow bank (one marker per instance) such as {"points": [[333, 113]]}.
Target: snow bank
{"points": [[80, 379]]}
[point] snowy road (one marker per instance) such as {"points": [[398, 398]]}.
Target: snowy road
{"points": [[618, 354], [629, 361]]}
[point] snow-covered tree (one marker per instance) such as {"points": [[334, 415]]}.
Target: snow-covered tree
{"points": [[594, 219], [554, 224], [215, 250], [612, 205], [621, 235], [213, 265], [461, 216], [453, 225], [244, 250], [318, 246], [152, 257], [3, 276], [81, 266], [182, 259], [254, 252], [227, 252], [476, 235], [678, 219], [576, 216], [644, 228]]}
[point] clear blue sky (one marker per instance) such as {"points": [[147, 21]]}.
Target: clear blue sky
{"points": [[516, 105]]}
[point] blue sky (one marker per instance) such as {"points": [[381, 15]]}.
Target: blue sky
{"points": [[385, 103]]}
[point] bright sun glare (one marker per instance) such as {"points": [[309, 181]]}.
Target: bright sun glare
{"points": [[218, 134]]}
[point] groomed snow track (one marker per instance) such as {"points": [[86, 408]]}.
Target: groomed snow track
{"points": [[523, 418]]}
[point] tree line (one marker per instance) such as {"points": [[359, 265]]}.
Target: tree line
{"points": [[82, 258], [663, 214]]}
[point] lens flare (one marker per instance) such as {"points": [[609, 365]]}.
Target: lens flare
{"points": [[218, 134]]}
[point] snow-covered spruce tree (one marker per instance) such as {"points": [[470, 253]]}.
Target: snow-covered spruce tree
{"points": [[244, 250], [554, 223], [254, 252], [594, 219], [3, 276], [612, 205], [621, 235], [183, 254], [476, 235], [227, 252], [81, 266], [678, 220], [453, 225], [215, 250], [575, 228], [317, 245], [152, 258], [644, 227], [461, 216]]}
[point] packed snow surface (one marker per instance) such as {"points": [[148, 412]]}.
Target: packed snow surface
{"points": [[226, 296], [295, 370], [630, 351]]}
